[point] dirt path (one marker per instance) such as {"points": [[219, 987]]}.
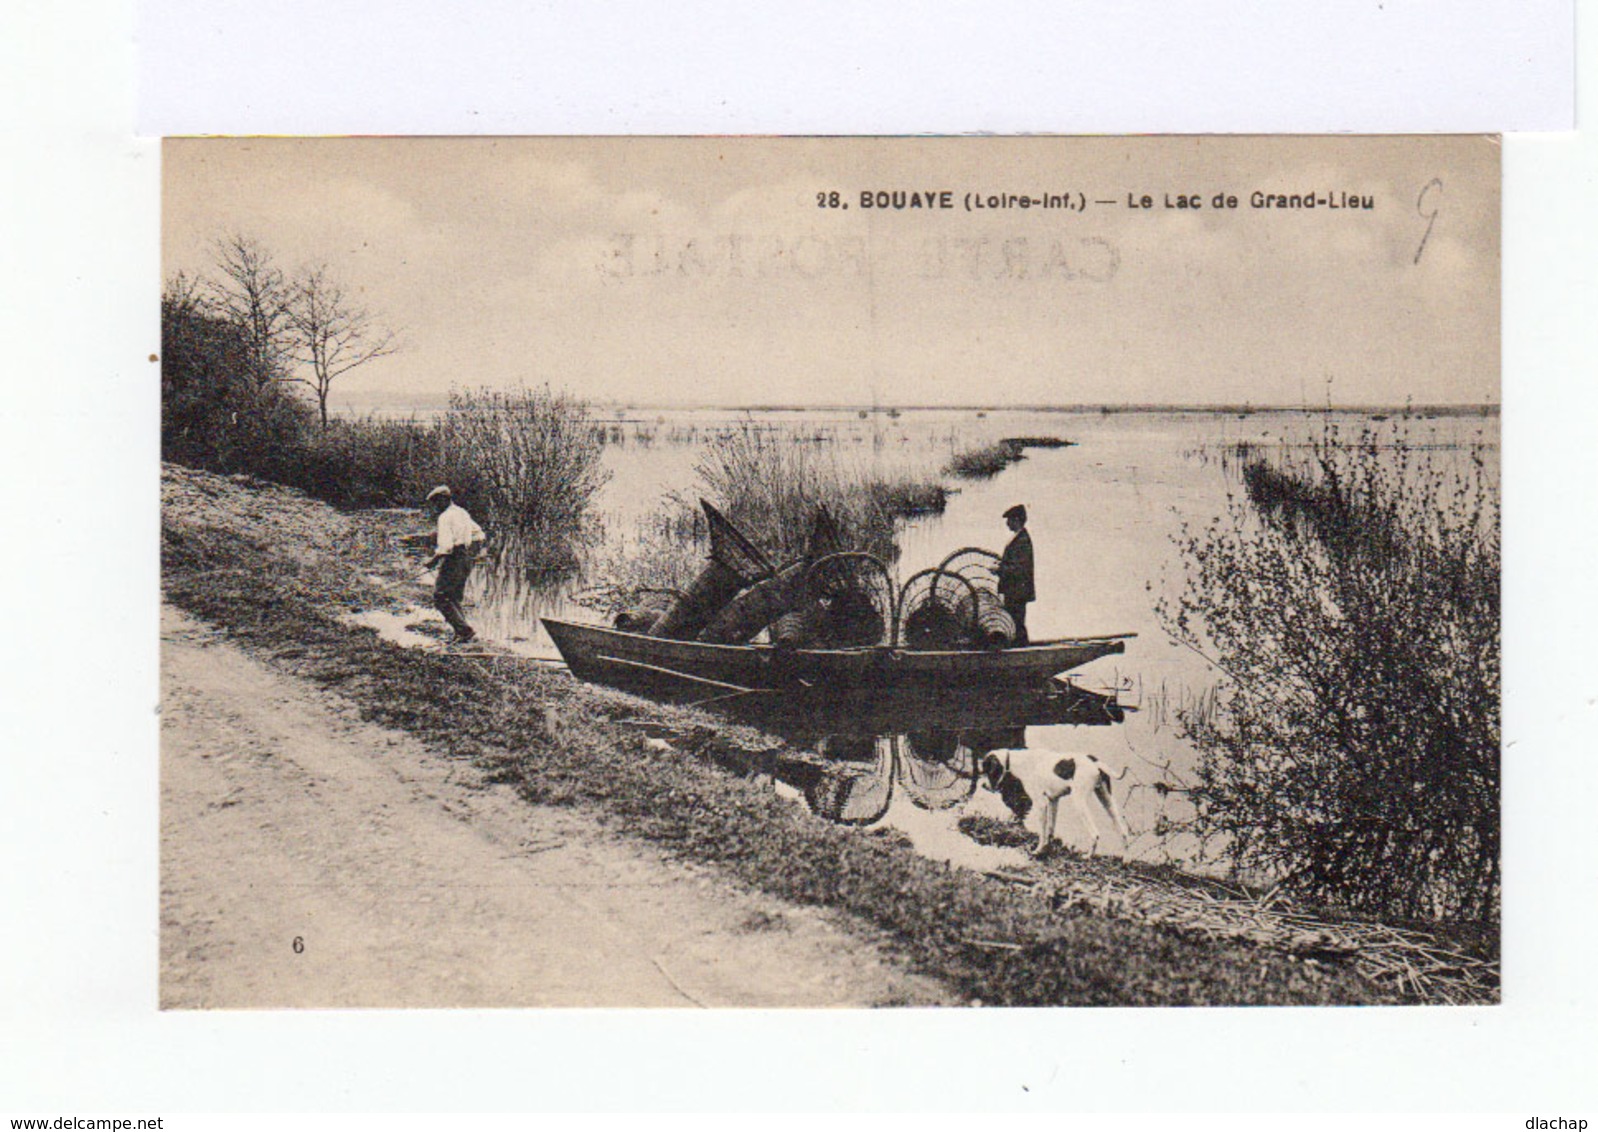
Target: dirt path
{"points": [[309, 859]]}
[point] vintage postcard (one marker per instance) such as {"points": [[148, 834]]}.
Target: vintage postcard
{"points": [[752, 572]]}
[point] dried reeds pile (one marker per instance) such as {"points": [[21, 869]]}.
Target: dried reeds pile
{"points": [[1410, 961]]}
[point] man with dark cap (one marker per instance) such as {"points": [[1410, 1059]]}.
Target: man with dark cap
{"points": [[459, 542], [1016, 587]]}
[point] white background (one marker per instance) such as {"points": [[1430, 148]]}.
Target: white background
{"points": [[79, 1031], [842, 66]]}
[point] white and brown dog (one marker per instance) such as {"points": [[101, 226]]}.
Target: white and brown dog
{"points": [[1028, 779]]}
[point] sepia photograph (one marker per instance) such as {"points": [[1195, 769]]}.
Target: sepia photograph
{"points": [[861, 572]]}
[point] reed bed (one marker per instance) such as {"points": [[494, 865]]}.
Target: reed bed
{"points": [[770, 483], [985, 462], [1040, 442], [527, 465], [989, 460]]}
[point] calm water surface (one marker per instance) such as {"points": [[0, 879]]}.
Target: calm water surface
{"points": [[1103, 514]]}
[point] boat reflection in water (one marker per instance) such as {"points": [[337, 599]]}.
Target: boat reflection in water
{"points": [[852, 754]]}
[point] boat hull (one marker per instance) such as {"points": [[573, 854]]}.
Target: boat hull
{"points": [[612, 656]]}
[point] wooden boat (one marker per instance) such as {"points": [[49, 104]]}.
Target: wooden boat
{"points": [[613, 656], [801, 714]]}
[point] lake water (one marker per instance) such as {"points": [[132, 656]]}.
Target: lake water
{"points": [[1103, 513]]}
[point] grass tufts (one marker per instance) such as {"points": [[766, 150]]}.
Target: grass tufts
{"points": [[985, 462]]}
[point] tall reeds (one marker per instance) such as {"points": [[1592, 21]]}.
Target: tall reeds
{"points": [[1351, 598], [770, 487], [988, 460], [527, 465], [769, 483]]}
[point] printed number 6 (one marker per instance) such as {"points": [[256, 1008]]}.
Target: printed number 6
{"points": [[298, 945]]}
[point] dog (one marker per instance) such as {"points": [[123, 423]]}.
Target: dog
{"points": [[1025, 779]]}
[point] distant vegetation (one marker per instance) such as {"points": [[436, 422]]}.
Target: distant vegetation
{"points": [[991, 459], [984, 462], [234, 351], [1353, 603]]}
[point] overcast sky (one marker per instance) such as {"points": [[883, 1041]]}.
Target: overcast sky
{"points": [[702, 271]]}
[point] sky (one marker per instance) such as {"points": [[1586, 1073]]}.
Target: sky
{"points": [[719, 271]]}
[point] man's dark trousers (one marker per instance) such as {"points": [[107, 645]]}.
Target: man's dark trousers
{"points": [[1017, 612], [450, 589]]}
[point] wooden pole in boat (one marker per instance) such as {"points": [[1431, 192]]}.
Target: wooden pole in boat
{"points": [[672, 672], [723, 697], [557, 662]]}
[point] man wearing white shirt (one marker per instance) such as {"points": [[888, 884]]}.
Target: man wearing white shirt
{"points": [[459, 541]]}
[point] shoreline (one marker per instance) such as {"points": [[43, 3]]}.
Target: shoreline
{"points": [[620, 410], [987, 938]]}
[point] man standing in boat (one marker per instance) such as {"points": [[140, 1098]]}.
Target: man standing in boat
{"points": [[459, 541], [1016, 586]]}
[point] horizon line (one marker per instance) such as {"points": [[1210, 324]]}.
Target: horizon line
{"points": [[1411, 409]]}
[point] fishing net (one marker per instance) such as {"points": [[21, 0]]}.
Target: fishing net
{"points": [[929, 611], [858, 785], [732, 548], [848, 603], [757, 607], [935, 769], [760, 605], [977, 566], [734, 563]]}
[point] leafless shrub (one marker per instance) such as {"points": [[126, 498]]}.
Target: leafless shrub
{"points": [[1352, 601]]}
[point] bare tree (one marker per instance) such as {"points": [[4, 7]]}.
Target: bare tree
{"points": [[255, 296], [333, 334]]}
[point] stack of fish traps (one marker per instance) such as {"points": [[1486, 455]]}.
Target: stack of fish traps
{"points": [[822, 599], [955, 605], [826, 598], [847, 603], [735, 564], [776, 595]]}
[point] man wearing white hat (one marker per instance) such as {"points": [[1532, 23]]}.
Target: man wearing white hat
{"points": [[459, 541]]}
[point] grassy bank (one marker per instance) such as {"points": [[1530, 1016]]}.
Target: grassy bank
{"points": [[276, 571]]}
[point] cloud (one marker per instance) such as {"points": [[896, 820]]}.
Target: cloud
{"points": [[624, 266]]}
